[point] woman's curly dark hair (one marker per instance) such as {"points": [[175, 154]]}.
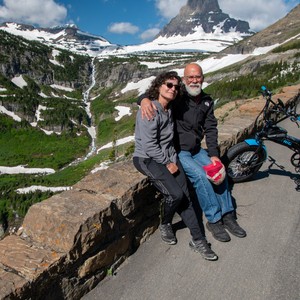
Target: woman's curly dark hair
{"points": [[153, 90]]}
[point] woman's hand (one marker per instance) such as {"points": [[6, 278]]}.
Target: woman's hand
{"points": [[172, 167]]}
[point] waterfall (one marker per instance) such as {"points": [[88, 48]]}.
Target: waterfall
{"points": [[91, 129]]}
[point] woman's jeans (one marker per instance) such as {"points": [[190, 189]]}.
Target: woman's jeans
{"points": [[175, 191], [215, 200]]}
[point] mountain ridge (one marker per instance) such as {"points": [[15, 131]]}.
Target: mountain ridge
{"points": [[279, 32], [197, 23], [67, 37], [200, 26]]}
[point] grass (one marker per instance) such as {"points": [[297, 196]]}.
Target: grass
{"points": [[32, 147], [110, 130]]}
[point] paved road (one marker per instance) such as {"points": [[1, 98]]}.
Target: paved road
{"points": [[263, 266]]}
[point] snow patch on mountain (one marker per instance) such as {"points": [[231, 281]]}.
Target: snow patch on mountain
{"points": [[95, 46]]}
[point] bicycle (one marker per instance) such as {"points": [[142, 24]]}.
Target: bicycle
{"points": [[244, 159]]}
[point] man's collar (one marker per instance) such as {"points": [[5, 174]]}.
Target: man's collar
{"points": [[197, 98]]}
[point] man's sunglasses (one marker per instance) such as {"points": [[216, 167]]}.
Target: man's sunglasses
{"points": [[190, 78], [170, 85]]}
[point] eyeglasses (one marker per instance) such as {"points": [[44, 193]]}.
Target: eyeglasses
{"points": [[190, 78], [170, 85]]}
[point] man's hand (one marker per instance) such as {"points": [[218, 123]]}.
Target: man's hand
{"points": [[214, 159], [148, 109], [172, 167]]}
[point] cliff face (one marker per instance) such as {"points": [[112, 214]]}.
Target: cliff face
{"points": [[110, 73], [38, 62], [206, 14]]}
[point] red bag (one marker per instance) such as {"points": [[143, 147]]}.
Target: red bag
{"points": [[215, 173]]}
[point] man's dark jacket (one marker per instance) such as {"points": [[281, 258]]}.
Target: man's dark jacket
{"points": [[193, 121]]}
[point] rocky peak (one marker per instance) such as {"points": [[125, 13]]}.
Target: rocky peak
{"points": [[71, 32], [206, 14], [200, 6]]}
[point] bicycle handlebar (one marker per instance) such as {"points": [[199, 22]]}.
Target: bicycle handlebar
{"points": [[265, 91], [279, 107]]}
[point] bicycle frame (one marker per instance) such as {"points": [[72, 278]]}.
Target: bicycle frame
{"points": [[260, 144]]}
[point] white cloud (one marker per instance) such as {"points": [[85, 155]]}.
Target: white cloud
{"points": [[149, 34], [45, 13], [169, 8], [259, 13], [123, 27]]}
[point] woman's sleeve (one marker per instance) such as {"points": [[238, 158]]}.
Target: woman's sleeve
{"points": [[149, 139]]}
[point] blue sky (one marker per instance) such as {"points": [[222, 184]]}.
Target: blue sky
{"points": [[129, 22]]}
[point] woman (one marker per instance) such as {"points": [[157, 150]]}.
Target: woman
{"points": [[155, 157]]}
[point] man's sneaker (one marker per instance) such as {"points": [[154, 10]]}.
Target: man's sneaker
{"points": [[218, 231], [202, 247], [232, 226], [167, 234]]}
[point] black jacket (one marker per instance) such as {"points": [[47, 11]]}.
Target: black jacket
{"points": [[193, 121]]}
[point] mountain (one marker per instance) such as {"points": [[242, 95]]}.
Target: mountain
{"points": [[200, 26], [50, 71], [201, 17], [67, 37]]}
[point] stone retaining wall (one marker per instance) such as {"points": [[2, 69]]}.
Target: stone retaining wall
{"points": [[68, 243]]}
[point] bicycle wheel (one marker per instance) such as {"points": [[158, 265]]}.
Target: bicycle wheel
{"points": [[244, 161]]}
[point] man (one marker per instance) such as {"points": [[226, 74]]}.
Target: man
{"points": [[194, 118]]}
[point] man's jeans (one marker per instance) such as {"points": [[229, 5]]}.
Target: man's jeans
{"points": [[215, 200]]}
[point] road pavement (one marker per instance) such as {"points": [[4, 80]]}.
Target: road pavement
{"points": [[263, 266]]}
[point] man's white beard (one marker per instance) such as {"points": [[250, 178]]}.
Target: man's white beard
{"points": [[194, 89]]}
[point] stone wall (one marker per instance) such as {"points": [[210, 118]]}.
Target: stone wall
{"points": [[68, 243]]}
